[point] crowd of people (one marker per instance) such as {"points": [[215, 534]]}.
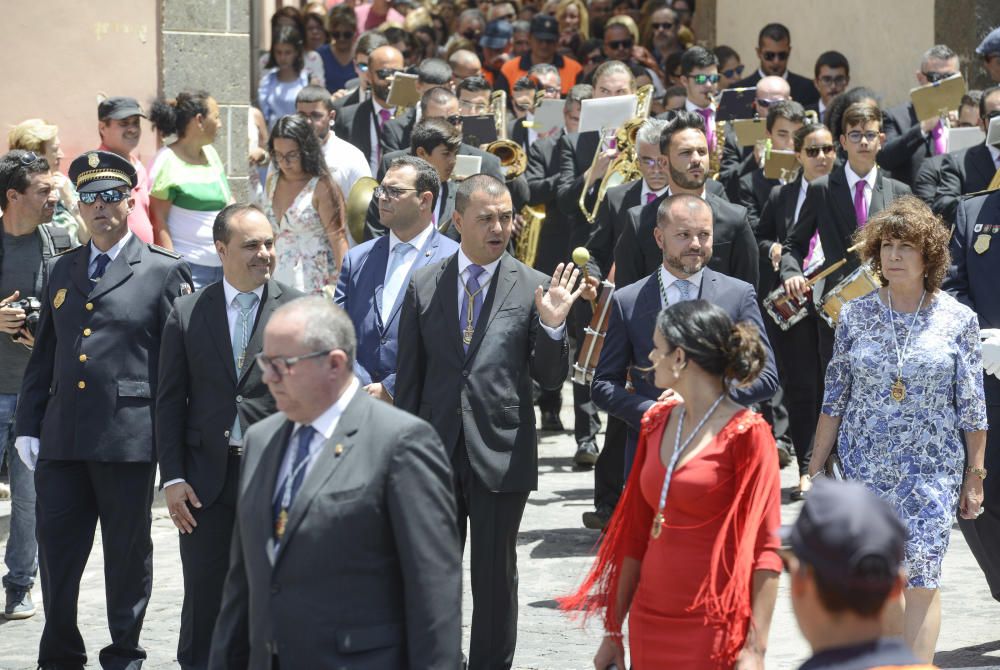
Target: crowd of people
{"points": [[336, 380]]}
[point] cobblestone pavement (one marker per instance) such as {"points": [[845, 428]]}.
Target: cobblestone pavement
{"points": [[553, 554]]}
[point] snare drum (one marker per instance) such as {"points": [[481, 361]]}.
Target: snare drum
{"points": [[859, 283], [785, 309]]}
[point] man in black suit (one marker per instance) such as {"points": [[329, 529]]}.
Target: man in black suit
{"points": [[969, 170], [684, 234], [431, 73], [345, 551], [85, 414], [837, 205], [356, 90], [774, 46], [549, 83], [362, 124], [479, 329], [209, 393], [908, 140], [734, 248]]}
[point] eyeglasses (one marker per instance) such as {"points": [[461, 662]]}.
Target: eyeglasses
{"points": [[855, 136], [651, 163], [290, 157], [934, 77], [389, 192], [345, 35], [386, 72], [662, 26], [454, 119], [279, 367], [620, 44], [733, 72], [702, 79], [774, 55], [473, 107], [812, 152], [110, 196], [362, 67], [839, 80]]}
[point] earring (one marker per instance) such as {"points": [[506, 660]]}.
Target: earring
{"points": [[677, 371]]}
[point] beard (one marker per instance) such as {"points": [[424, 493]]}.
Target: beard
{"points": [[380, 91], [687, 181], [688, 264]]}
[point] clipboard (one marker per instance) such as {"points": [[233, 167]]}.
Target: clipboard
{"points": [[479, 130], [941, 97], [403, 90], [993, 132], [963, 138], [735, 103], [606, 113], [780, 164], [466, 166], [547, 116], [749, 131]]}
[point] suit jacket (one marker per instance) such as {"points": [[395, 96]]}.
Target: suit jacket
{"points": [[776, 218], [352, 98], [967, 171], [803, 89], [736, 162], [925, 186], [519, 134], [483, 396], [612, 216], [200, 393], [906, 147], [353, 124], [734, 249], [829, 208], [754, 189], [396, 132], [359, 292], [393, 600], [629, 340], [972, 276], [88, 391], [542, 177]]}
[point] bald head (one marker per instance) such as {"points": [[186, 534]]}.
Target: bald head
{"points": [[773, 88], [683, 208], [383, 59], [465, 64]]}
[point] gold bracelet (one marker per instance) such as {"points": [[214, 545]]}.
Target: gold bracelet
{"points": [[978, 472]]}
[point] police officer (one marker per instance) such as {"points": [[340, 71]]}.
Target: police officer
{"points": [[85, 415]]}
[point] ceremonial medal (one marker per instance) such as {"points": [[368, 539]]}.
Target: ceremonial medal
{"points": [[658, 522], [982, 244], [467, 334], [279, 525], [898, 390], [59, 299]]}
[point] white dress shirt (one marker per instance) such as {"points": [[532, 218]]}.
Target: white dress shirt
{"points": [[112, 252], [406, 263], [801, 199], [484, 280], [376, 136], [673, 292], [869, 179]]}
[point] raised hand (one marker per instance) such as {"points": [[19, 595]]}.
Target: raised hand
{"points": [[553, 305]]}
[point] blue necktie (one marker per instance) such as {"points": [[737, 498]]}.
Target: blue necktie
{"points": [[684, 286], [241, 337], [101, 262], [472, 288], [394, 276], [297, 473]]}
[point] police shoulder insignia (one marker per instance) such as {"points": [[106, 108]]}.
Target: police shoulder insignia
{"points": [[93, 160], [59, 299], [160, 250], [982, 243]]}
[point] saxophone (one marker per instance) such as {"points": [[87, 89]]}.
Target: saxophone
{"points": [[526, 248]]}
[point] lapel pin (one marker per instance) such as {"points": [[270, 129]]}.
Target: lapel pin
{"points": [[338, 450]]}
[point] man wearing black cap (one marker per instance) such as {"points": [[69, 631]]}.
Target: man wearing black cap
{"points": [[118, 126], [85, 414], [544, 36], [846, 551], [495, 44]]}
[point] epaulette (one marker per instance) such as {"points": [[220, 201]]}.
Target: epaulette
{"points": [[69, 251], [160, 250]]}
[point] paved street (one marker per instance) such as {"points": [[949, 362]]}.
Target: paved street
{"points": [[554, 552]]}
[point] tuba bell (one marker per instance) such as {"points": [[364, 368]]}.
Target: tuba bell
{"points": [[513, 160], [358, 201]]}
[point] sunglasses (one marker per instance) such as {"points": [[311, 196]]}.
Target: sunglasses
{"points": [[109, 196], [855, 136], [454, 119], [506, 17], [775, 55], [346, 35], [596, 58], [386, 72], [702, 79], [813, 152], [362, 67], [279, 367], [734, 72], [620, 44], [28, 158], [839, 80], [662, 26], [767, 102], [389, 192], [934, 77], [471, 35]]}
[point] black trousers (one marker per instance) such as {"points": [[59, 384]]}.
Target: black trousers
{"points": [[609, 473], [71, 497], [490, 520], [983, 534], [586, 422], [204, 563]]}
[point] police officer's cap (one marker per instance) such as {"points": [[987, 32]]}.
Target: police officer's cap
{"points": [[97, 171]]}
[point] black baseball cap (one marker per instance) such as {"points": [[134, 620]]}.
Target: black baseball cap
{"points": [[843, 524], [118, 108], [497, 34], [544, 27], [96, 171]]}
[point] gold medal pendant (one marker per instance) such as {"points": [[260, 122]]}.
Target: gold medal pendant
{"points": [[658, 522], [279, 525], [467, 334], [898, 390]]}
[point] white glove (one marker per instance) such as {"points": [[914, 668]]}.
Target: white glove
{"points": [[27, 449], [991, 351]]}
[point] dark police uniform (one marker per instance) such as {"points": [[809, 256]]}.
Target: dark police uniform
{"points": [[88, 394]]}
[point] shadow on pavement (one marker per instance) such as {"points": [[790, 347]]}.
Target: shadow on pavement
{"points": [[559, 542], [562, 496], [969, 657]]}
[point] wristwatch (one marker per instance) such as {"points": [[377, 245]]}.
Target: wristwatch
{"points": [[978, 472]]}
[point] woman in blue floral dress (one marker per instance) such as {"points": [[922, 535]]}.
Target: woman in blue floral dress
{"points": [[904, 384]]}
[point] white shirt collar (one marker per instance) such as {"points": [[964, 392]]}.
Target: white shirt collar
{"points": [[417, 241], [464, 262], [669, 279], [702, 195], [113, 251], [853, 178], [691, 107], [805, 186], [820, 110], [231, 292], [762, 75], [326, 422]]}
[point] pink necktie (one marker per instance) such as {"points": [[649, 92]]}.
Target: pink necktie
{"points": [[650, 197], [706, 114], [384, 115], [860, 207], [940, 146], [812, 247]]}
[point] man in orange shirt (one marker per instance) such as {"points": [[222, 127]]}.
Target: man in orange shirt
{"points": [[544, 36]]}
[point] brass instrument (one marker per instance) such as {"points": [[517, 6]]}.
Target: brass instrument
{"points": [[526, 247], [358, 201], [498, 108], [625, 165], [715, 155], [513, 160]]}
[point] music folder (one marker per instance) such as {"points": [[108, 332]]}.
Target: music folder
{"points": [[403, 90], [939, 98], [993, 132], [479, 130], [735, 103], [780, 165], [547, 115], [466, 166], [963, 138], [607, 113], [749, 131]]}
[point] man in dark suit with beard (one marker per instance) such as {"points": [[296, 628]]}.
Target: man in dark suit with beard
{"points": [[209, 393], [479, 328], [774, 46], [362, 124]]}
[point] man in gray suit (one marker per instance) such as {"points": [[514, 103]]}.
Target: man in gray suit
{"points": [[479, 327], [345, 551]]}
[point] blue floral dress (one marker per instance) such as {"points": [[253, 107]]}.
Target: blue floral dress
{"points": [[910, 453]]}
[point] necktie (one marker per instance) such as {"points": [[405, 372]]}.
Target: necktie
{"points": [[394, 276], [288, 488], [650, 197], [383, 116], [860, 206], [102, 261], [241, 337], [474, 291], [940, 145], [706, 114], [684, 286]]}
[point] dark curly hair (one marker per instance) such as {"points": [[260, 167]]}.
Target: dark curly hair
{"points": [[296, 127], [907, 218]]}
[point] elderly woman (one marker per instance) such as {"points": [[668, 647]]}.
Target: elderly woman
{"points": [[904, 385]]}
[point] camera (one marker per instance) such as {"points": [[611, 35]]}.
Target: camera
{"points": [[32, 311]]}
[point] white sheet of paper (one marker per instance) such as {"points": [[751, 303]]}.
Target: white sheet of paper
{"points": [[993, 133], [548, 115], [466, 166], [963, 138], [601, 113]]}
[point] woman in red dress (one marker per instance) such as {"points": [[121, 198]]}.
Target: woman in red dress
{"points": [[690, 554]]}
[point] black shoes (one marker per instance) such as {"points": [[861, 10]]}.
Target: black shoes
{"points": [[597, 519], [551, 423], [586, 454], [784, 453]]}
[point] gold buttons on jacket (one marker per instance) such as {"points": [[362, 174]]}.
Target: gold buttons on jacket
{"points": [[83, 358], [87, 332], [81, 385], [89, 306]]}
